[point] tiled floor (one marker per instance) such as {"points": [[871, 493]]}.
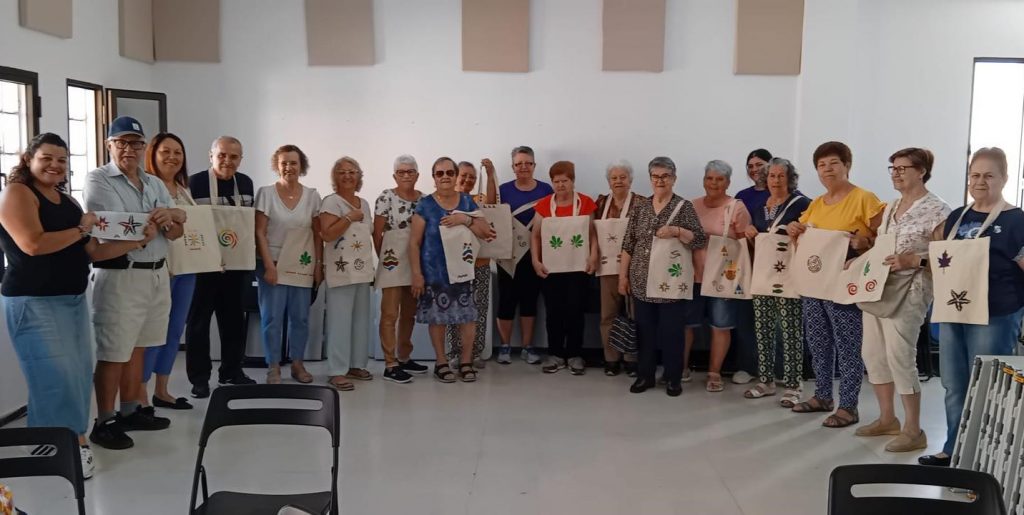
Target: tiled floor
{"points": [[516, 442]]}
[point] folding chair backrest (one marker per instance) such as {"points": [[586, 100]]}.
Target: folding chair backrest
{"points": [[66, 462], [989, 500], [220, 414]]}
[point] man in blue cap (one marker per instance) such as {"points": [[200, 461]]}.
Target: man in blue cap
{"points": [[131, 295]]}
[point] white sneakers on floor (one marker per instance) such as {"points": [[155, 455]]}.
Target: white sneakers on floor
{"points": [[742, 377], [88, 466]]}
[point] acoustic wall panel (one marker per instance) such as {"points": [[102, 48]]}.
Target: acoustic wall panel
{"points": [[634, 35], [186, 30], [135, 29], [50, 16], [496, 35], [769, 37], [340, 32]]}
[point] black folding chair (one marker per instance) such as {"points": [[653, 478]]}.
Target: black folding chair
{"points": [[219, 415], [988, 498], [65, 463]]}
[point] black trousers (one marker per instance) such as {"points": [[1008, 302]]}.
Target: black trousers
{"points": [[660, 326], [564, 304], [217, 293]]}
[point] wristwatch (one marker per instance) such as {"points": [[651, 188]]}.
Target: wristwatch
{"points": [[923, 263]]}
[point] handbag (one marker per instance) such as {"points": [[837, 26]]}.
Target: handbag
{"points": [[622, 336], [896, 285]]}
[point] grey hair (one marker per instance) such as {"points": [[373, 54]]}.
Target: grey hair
{"points": [[522, 149], [224, 139], [662, 162], [352, 162], [718, 166], [406, 159], [622, 164], [791, 176]]}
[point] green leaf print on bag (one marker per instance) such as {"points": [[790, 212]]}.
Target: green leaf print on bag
{"points": [[675, 270], [305, 259], [576, 241], [556, 242]]}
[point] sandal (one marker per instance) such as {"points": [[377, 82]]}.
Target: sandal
{"points": [[760, 390], [714, 385], [836, 421], [790, 398], [359, 373], [341, 384], [612, 368], [300, 374], [466, 373], [814, 405], [444, 373]]}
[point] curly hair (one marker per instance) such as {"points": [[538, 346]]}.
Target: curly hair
{"points": [[22, 172], [303, 160]]}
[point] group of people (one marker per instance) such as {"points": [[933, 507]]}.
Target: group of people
{"points": [[138, 311]]}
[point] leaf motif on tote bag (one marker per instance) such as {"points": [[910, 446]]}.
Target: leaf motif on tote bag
{"points": [[576, 241], [556, 242]]}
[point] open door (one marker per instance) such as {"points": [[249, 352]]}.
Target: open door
{"points": [[149, 108]]}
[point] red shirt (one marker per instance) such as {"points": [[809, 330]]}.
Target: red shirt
{"points": [[587, 206]]}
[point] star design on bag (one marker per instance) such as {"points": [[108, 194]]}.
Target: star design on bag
{"points": [[959, 300], [663, 287], [780, 266], [356, 245], [102, 223], [340, 263], [683, 288], [613, 238], [130, 226]]}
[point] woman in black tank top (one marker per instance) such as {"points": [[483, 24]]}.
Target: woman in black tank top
{"points": [[44, 235]]}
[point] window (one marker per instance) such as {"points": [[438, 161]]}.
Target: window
{"points": [[997, 116], [19, 120], [84, 129]]}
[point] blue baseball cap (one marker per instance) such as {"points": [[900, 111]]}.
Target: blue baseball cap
{"points": [[125, 125]]}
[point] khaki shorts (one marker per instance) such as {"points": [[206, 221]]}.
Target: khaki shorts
{"points": [[130, 308]]}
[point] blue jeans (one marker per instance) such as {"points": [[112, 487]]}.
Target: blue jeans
{"points": [[278, 301], [161, 359], [52, 337], [959, 344]]}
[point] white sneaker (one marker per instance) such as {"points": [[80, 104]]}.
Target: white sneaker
{"points": [[742, 377], [88, 467], [687, 375]]}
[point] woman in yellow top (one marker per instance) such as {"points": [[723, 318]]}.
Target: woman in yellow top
{"points": [[834, 329]]}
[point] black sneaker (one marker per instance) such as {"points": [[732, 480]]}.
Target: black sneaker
{"points": [[413, 368], [239, 378], [396, 375], [110, 435], [144, 419], [200, 391]]}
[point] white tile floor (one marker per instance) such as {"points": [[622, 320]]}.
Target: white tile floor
{"points": [[516, 442]]}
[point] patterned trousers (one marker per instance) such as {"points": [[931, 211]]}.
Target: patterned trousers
{"points": [[771, 315], [835, 331], [481, 295]]}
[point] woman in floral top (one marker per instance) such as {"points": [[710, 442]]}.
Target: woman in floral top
{"points": [[660, 322]]}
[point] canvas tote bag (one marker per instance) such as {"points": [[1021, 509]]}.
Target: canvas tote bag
{"points": [[349, 260], [565, 240], [865, 279], [773, 258], [460, 251], [236, 230], [520, 240], [610, 232], [818, 262], [296, 262], [499, 216], [393, 268], [727, 268], [197, 250], [670, 269], [960, 274]]}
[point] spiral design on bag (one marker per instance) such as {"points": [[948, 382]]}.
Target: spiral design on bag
{"points": [[228, 238]]}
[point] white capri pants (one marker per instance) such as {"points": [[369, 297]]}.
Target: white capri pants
{"points": [[890, 344]]}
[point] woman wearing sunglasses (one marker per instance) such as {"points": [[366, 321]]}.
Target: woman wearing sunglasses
{"points": [[439, 302]]}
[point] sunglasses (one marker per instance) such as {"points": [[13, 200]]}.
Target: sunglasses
{"points": [[442, 173]]}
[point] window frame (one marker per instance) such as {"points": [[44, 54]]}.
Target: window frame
{"points": [[970, 118], [101, 122], [34, 102]]}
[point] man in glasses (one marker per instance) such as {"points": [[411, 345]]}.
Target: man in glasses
{"points": [[131, 294], [219, 293], [521, 194]]}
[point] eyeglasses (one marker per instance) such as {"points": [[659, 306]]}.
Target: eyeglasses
{"points": [[442, 173], [122, 144], [662, 177], [406, 172], [898, 171], [523, 163]]}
